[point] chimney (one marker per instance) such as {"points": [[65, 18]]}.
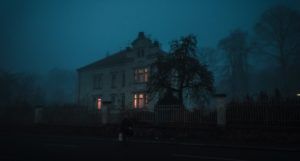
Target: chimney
{"points": [[141, 35]]}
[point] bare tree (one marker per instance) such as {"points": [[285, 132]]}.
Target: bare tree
{"points": [[8, 83], [237, 49], [209, 57], [278, 30], [180, 72], [19, 89], [214, 60]]}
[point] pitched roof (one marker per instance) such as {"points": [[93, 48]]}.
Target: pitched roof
{"points": [[119, 58]]}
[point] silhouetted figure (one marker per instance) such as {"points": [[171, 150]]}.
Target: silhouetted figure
{"points": [[126, 130]]}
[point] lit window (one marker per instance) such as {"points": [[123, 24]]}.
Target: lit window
{"points": [[141, 75], [135, 101], [99, 104], [140, 100]]}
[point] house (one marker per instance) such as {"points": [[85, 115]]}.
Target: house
{"points": [[120, 78]]}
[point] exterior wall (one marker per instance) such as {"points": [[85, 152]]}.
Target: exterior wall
{"points": [[87, 95]]}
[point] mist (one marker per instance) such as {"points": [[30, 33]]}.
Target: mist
{"points": [[43, 36], [150, 79]]}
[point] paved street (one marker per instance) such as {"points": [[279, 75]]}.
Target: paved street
{"points": [[43, 147]]}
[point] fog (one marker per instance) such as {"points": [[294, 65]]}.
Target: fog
{"points": [[46, 41]]}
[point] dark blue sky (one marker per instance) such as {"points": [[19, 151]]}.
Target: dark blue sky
{"points": [[38, 35]]}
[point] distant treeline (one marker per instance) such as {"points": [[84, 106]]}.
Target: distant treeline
{"points": [[264, 58], [57, 87]]}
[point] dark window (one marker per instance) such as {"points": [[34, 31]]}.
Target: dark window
{"points": [[123, 99], [97, 81], [113, 80], [123, 79], [113, 99], [140, 52]]}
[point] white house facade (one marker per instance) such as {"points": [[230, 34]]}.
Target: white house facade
{"points": [[120, 78]]}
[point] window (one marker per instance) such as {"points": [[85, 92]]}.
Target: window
{"points": [[113, 80], [123, 100], [141, 75], [99, 103], [97, 81], [123, 79], [113, 99], [97, 99], [140, 52], [140, 100]]}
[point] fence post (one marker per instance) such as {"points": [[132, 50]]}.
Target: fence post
{"points": [[221, 111]]}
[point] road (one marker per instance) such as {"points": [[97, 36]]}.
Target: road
{"points": [[51, 148]]}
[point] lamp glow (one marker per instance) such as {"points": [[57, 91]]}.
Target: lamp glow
{"points": [[99, 104]]}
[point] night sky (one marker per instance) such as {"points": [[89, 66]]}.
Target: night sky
{"points": [[38, 35]]}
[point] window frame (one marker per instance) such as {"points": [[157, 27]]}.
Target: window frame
{"points": [[140, 52], [97, 81], [123, 79], [141, 74], [113, 80], [113, 98], [138, 98]]}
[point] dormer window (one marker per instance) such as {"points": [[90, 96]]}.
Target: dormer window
{"points": [[140, 52]]}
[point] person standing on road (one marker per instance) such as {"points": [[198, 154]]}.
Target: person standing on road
{"points": [[126, 130]]}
